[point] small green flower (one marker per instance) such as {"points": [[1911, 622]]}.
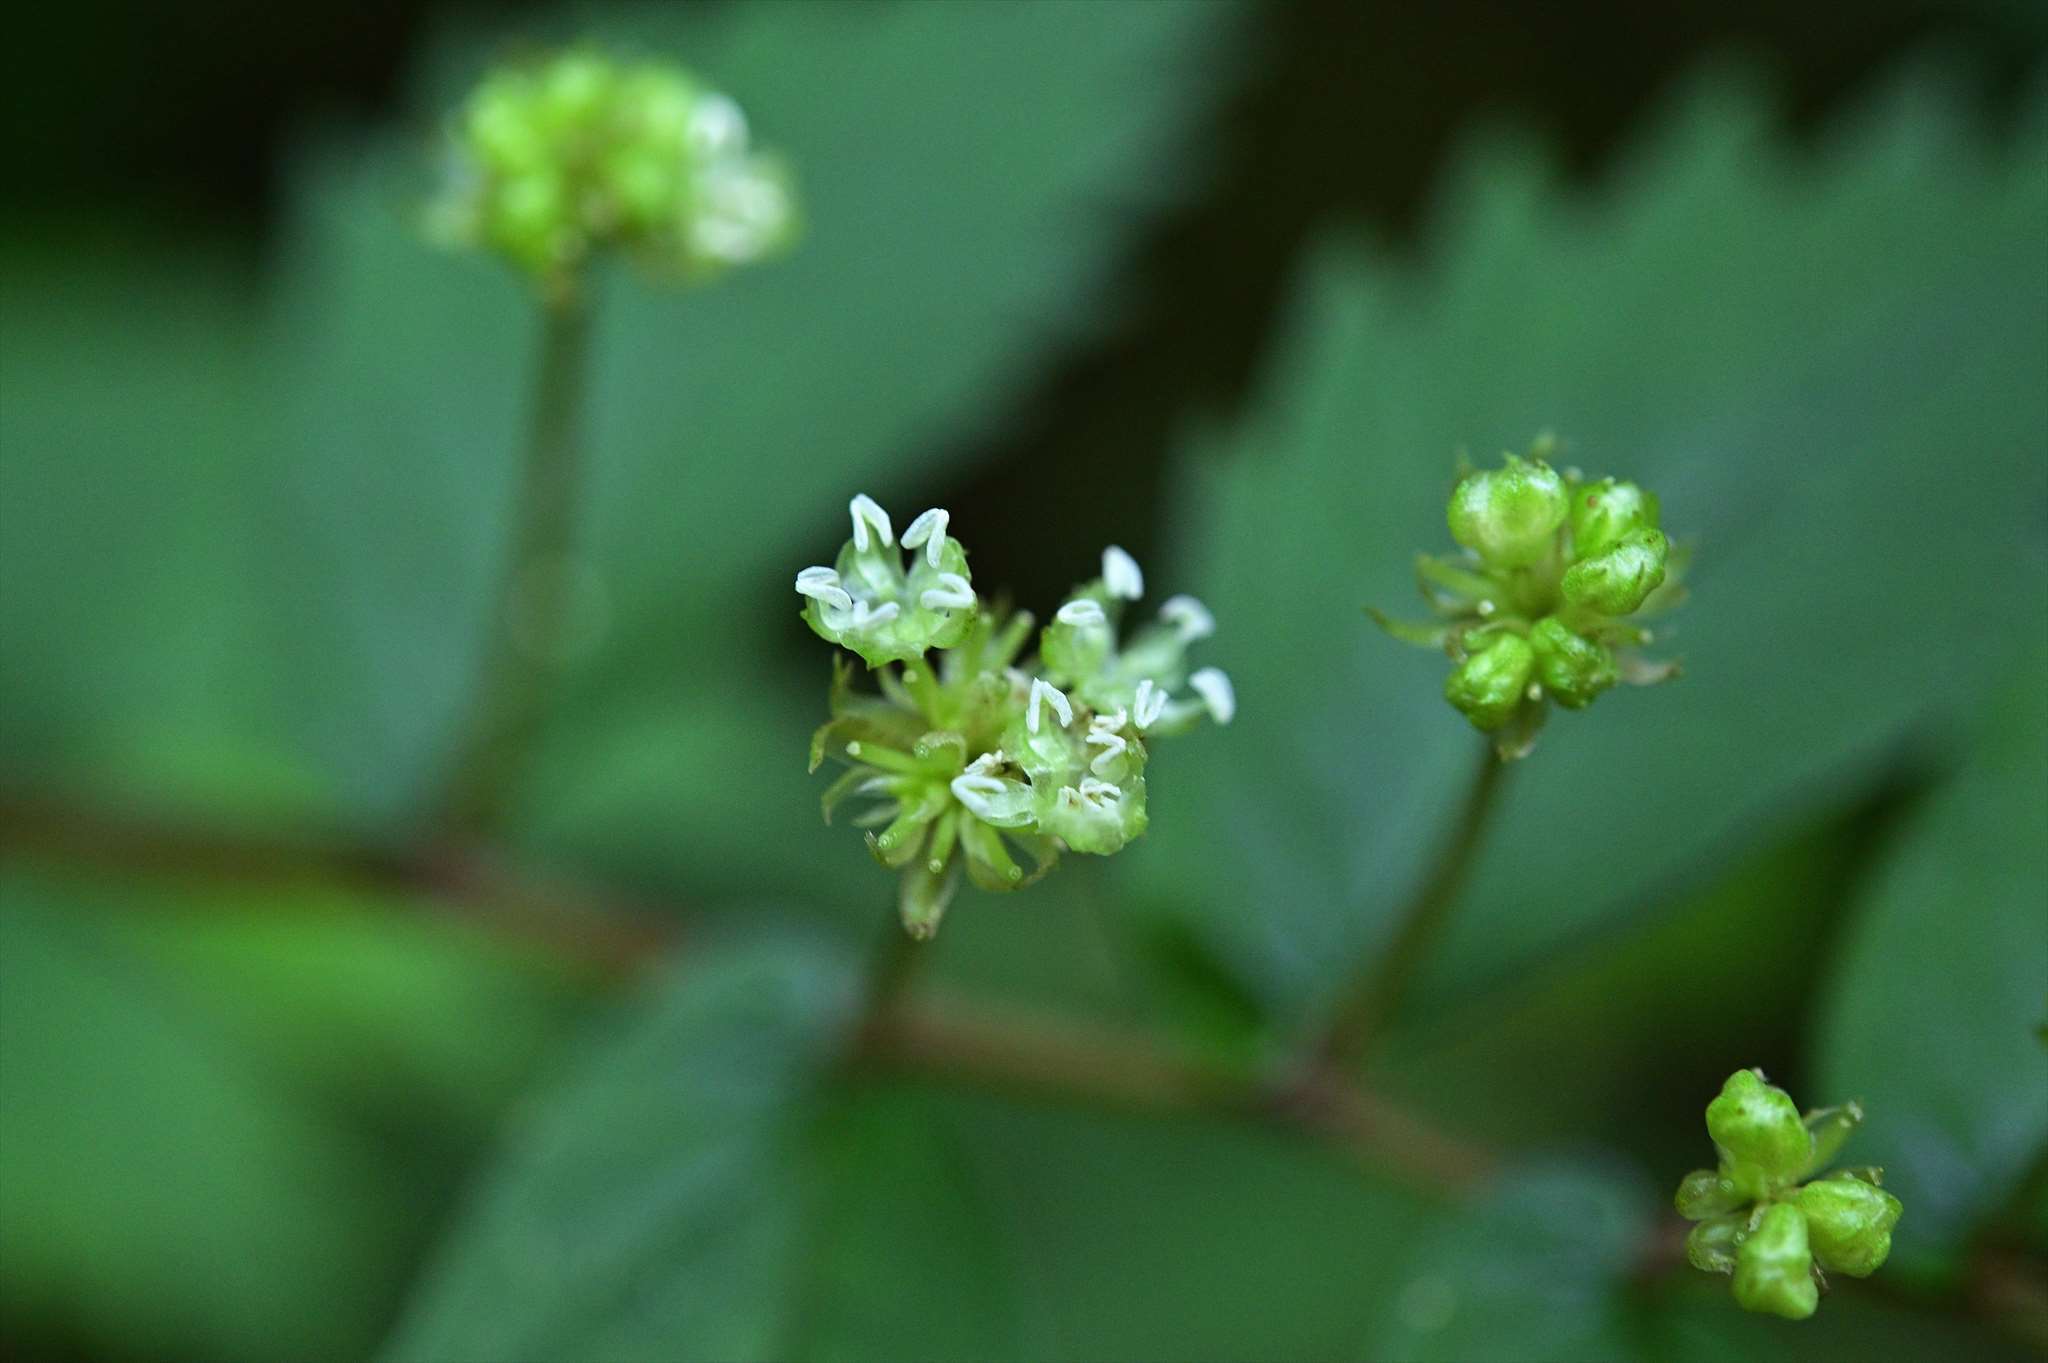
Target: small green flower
{"points": [[555, 160], [980, 760], [1563, 566], [1778, 1236]]}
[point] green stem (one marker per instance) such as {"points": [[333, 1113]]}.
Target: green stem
{"points": [[891, 968], [532, 608], [1375, 995]]}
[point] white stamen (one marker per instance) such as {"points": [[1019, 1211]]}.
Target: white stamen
{"points": [[1083, 611], [822, 584], [1215, 690], [952, 593], [1042, 690], [865, 616], [929, 529], [1149, 703], [977, 792], [986, 763], [1189, 618], [1121, 574], [867, 512]]}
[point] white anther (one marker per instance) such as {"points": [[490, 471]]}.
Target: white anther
{"points": [[952, 593], [1215, 690], [822, 584], [1043, 690], [1190, 618], [717, 127], [1121, 574], [929, 529], [1098, 791], [867, 512], [1083, 611], [1148, 704], [986, 763], [1103, 734]]}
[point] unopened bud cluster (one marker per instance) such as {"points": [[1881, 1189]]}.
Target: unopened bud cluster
{"points": [[556, 160], [1546, 601], [1764, 1219], [973, 752]]}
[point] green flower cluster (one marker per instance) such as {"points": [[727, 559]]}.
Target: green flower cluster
{"points": [[976, 754], [1546, 600], [555, 160], [1761, 1220]]}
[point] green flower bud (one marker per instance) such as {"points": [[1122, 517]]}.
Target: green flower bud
{"points": [[1708, 1192], [1573, 669], [1849, 1223], [1774, 1268], [1713, 1245], [1618, 580], [1509, 515], [1603, 512], [1490, 685], [1758, 1130]]}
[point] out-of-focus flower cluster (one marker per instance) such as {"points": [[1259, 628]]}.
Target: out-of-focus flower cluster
{"points": [[553, 161]]}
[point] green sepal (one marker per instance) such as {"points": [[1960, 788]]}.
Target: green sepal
{"points": [[1774, 1266], [1849, 1223], [1433, 636], [1618, 580], [1488, 687], [1830, 1128]]}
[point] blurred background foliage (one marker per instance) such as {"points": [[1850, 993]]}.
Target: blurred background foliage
{"points": [[284, 1075]]}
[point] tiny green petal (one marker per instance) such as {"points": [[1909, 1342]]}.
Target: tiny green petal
{"points": [[1619, 579], [1707, 1193], [1603, 512], [1488, 687], [1774, 1267], [1510, 515], [1850, 1224], [1758, 1129], [1713, 1244], [1572, 668]]}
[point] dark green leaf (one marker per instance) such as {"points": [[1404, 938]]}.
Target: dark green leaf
{"points": [[695, 1189]]}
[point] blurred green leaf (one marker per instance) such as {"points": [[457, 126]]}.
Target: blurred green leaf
{"points": [[1941, 982], [1785, 346], [130, 417], [159, 1195], [949, 240], [696, 1188], [1529, 1272]]}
